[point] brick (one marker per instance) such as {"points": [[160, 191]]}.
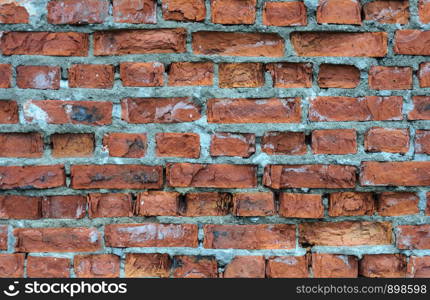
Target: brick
{"points": [[77, 239], [12, 265], [420, 108], [77, 11], [151, 235], [287, 267], [290, 75], [11, 13], [422, 141], [91, 76], [147, 265], [309, 176], [284, 143], [120, 144], [145, 41], [31, 177], [271, 110], [233, 11], [351, 204], [345, 109], [4, 237], [206, 204], [413, 236], [237, 75], [96, 266], [427, 211], [345, 233], [191, 74], [361, 44], [48, 267], [334, 266], [424, 11], [261, 236], [159, 110], [339, 12], [424, 75], [408, 173], [157, 203], [391, 140], [20, 207], [195, 267], [8, 112], [135, 74], [64, 207], [232, 144], [38, 77], [284, 14], [44, 43], [211, 175], [334, 141], [135, 11], [293, 205], [5, 76], [116, 176], [237, 44], [390, 78], [245, 267], [253, 204], [68, 112], [20, 144], [383, 265], [397, 204], [109, 205], [411, 41], [72, 144], [387, 12], [178, 144], [418, 267], [184, 10], [338, 76]]}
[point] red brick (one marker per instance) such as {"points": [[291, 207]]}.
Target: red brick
{"points": [[422, 141], [48, 267], [176, 144], [392, 140], [290, 75], [184, 10], [116, 176], [144, 41], [38, 77], [4, 237], [253, 204], [8, 112], [262, 236], [334, 141], [418, 267], [147, 265], [131, 145], [424, 11], [151, 235], [383, 265], [142, 73], [413, 236], [367, 44], [191, 73], [300, 205], [20, 207], [135, 11], [338, 76], [238, 44], [68, 112], [32, 177], [334, 266], [78, 239], [233, 11], [427, 212], [341, 109], [245, 267], [407, 173], [12, 265], [44, 43], [96, 266], [387, 12], [64, 207], [271, 110], [424, 74], [284, 14], [287, 267], [345, 233], [157, 203], [109, 205], [206, 204], [232, 144], [72, 144], [411, 41], [390, 78], [309, 176], [195, 267], [339, 12], [77, 11], [211, 175], [351, 204], [11, 13], [237, 75], [17, 144], [5, 76], [420, 111], [397, 204], [91, 76], [159, 110]]}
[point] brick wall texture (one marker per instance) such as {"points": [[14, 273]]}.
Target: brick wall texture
{"points": [[217, 138]]}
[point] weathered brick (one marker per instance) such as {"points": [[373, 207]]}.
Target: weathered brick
{"points": [[11, 13], [91, 76], [284, 143], [20, 207], [413, 236], [411, 42], [253, 204], [397, 204], [284, 14], [64, 207], [334, 266], [334, 141], [392, 140], [77, 11], [176, 144], [8, 112], [237, 75], [17, 144], [300, 205], [157, 203], [147, 265], [338, 76], [351, 204], [290, 75], [109, 205], [5, 76], [206, 204], [12, 265], [72, 144], [424, 74], [422, 141], [120, 144], [287, 267], [135, 74], [4, 234], [191, 74], [38, 77], [390, 78], [424, 11], [420, 108], [245, 267], [96, 265], [339, 12], [195, 267], [387, 12], [383, 265], [135, 11], [233, 11], [418, 267], [48, 267], [232, 144], [31, 177], [184, 10]]}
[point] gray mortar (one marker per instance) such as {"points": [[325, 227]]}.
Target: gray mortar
{"points": [[200, 95]]}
